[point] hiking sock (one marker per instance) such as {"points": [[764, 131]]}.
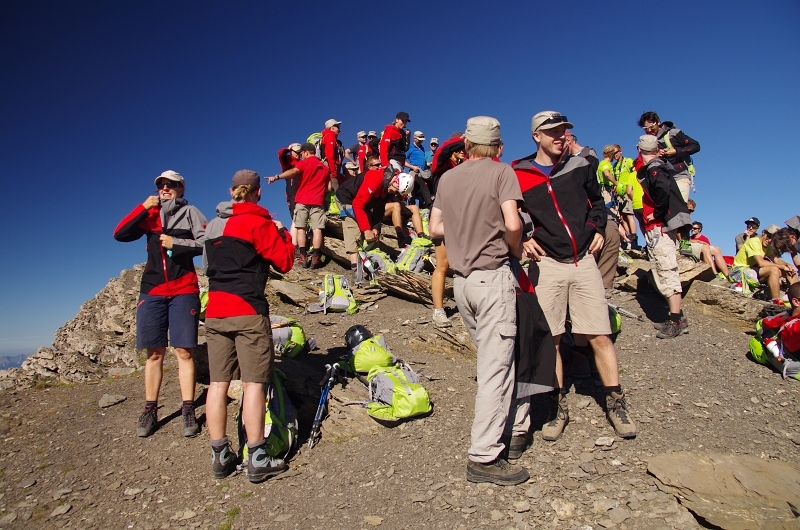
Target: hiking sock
{"points": [[250, 446], [676, 317], [151, 405], [317, 252], [188, 403], [609, 389], [303, 252], [218, 444]]}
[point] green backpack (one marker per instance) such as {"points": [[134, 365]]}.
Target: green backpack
{"points": [[381, 261], [333, 206], [288, 336], [280, 421], [371, 353], [395, 394], [334, 296], [412, 258]]}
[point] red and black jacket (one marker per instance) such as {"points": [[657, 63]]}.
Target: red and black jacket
{"points": [[566, 206], [441, 161], [393, 146], [662, 198], [287, 162], [168, 272], [241, 244], [332, 151]]}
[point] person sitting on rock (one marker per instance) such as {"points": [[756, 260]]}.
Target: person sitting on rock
{"points": [[780, 338], [753, 257], [703, 249], [169, 299]]}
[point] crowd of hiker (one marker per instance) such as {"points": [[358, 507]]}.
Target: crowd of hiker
{"points": [[532, 271]]}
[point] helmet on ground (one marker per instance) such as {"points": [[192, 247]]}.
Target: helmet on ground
{"points": [[405, 184], [355, 336], [615, 320]]}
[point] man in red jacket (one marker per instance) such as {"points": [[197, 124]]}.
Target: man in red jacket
{"points": [[394, 141], [242, 244], [332, 153]]}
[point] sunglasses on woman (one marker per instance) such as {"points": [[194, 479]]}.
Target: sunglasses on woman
{"points": [[170, 184]]}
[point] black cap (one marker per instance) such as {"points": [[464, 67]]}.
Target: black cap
{"points": [[753, 221], [402, 116]]}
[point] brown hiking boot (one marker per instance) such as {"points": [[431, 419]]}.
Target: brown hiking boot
{"points": [[518, 445], [619, 416], [557, 419], [316, 262], [499, 472]]}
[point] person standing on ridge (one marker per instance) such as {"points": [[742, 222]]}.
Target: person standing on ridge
{"points": [[331, 147], [563, 198], [169, 299], [394, 140], [351, 153], [674, 146], [242, 243], [288, 157]]}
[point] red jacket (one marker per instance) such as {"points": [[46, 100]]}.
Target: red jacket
{"points": [[313, 181], [329, 145], [393, 145], [787, 327], [241, 244], [369, 199], [363, 149]]}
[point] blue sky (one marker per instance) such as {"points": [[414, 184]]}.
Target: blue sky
{"points": [[100, 97]]}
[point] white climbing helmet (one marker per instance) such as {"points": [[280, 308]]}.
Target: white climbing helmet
{"points": [[405, 184]]}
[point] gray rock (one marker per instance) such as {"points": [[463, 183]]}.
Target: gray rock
{"points": [[60, 510], [26, 483], [522, 506], [564, 509], [603, 504], [7, 519], [109, 400], [604, 441], [618, 514]]}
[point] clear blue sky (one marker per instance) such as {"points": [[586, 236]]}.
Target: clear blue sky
{"points": [[97, 98]]}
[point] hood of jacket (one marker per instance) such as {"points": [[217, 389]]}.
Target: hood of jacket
{"points": [[231, 208]]}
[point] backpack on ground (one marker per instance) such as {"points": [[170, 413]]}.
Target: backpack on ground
{"points": [[280, 421], [289, 339], [381, 261], [334, 296], [395, 394], [370, 353], [614, 320], [412, 258]]}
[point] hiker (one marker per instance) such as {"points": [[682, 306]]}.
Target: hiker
{"points": [[665, 213], [753, 256], [751, 227], [702, 249], [451, 155], [484, 286], [415, 160], [429, 153], [780, 336], [331, 147], [564, 200], [288, 157], [394, 141], [314, 181], [169, 298], [674, 146], [575, 149], [605, 173], [351, 153], [630, 193], [242, 243], [793, 234], [373, 146]]}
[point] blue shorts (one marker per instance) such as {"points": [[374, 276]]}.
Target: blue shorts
{"points": [[158, 315]]}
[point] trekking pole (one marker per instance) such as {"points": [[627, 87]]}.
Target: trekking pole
{"points": [[330, 375], [626, 313]]}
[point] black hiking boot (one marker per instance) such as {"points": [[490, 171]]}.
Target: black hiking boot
{"points": [[684, 324], [316, 262], [672, 329], [190, 425], [148, 422], [223, 461], [499, 472], [518, 445], [261, 466]]}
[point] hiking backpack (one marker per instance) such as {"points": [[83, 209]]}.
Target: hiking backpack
{"points": [[381, 261], [289, 339], [370, 353], [334, 296], [412, 258], [280, 421], [316, 139], [395, 394]]}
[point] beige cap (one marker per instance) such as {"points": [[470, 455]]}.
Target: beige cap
{"points": [[647, 143], [295, 147], [435, 141], [771, 229], [351, 165], [372, 133], [246, 177], [549, 119], [483, 130], [361, 134], [331, 122], [171, 175], [419, 134]]}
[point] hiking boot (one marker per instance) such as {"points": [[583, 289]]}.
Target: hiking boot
{"points": [[261, 466], [223, 461], [618, 415], [440, 319], [518, 445], [684, 324], [148, 422], [190, 425], [306, 261], [499, 472], [557, 419], [301, 260], [672, 329], [316, 262]]}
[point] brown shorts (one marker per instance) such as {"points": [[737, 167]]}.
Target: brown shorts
{"points": [[240, 344], [580, 287], [352, 235], [664, 259], [302, 213]]}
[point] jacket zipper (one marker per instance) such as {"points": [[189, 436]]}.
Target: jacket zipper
{"points": [[563, 221], [164, 258]]}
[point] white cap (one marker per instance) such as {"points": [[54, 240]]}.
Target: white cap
{"points": [[331, 122]]}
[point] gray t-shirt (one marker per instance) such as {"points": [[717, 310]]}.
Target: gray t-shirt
{"points": [[469, 197], [740, 239]]}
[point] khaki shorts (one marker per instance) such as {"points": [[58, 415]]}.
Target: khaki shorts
{"points": [[664, 259], [240, 348], [302, 213], [580, 287], [352, 235], [697, 250], [684, 185], [626, 205]]}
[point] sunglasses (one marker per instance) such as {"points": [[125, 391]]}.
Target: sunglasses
{"points": [[373, 165], [695, 228], [552, 120], [170, 184]]}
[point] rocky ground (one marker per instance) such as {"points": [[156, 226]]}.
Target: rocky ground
{"points": [[66, 462]]}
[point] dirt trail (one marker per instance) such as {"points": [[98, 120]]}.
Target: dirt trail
{"points": [[697, 392]]}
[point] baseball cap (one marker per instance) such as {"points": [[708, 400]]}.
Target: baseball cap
{"points": [[483, 130], [771, 229], [402, 116], [647, 143], [331, 122], [246, 177], [372, 133], [419, 134], [794, 222], [753, 221], [361, 134], [351, 165], [171, 175], [548, 119], [295, 147], [434, 141]]}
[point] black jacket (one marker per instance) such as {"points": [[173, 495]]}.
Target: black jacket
{"points": [[684, 146], [662, 196], [566, 206]]}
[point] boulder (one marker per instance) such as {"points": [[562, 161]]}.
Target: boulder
{"points": [[721, 302]]}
